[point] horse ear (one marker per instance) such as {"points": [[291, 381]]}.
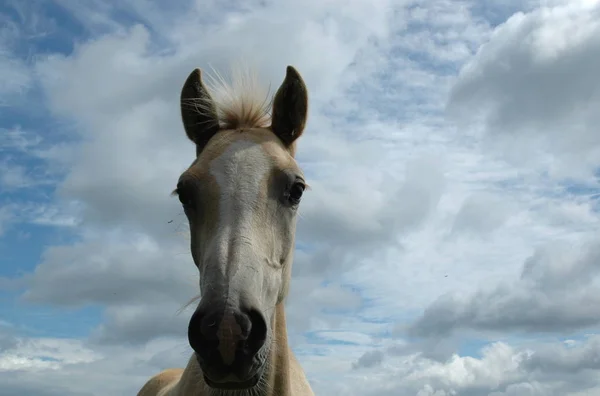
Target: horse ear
{"points": [[290, 107], [198, 111]]}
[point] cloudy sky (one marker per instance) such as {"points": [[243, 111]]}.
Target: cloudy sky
{"points": [[449, 243]]}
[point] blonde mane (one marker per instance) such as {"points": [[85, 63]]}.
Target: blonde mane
{"points": [[241, 102]]}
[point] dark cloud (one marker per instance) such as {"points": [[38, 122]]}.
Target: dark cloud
{"points": [[142, 287], [111, 272], [557, 292], [474, 216], [557, 359], [369, 359], [138, 324], [534, 83], [351, 212], [7, 340]]}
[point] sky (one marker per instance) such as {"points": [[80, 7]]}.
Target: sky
{"points": [[448, 245]]}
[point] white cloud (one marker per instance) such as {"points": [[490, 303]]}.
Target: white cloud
{"points": [[502, 369], [406, 212], [44, 354], [533, 85]]}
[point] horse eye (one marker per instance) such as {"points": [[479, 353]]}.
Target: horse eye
{"points": [[185, 195], [295, 193]]}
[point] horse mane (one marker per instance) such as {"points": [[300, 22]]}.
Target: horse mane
{"points": [[241, 102]]}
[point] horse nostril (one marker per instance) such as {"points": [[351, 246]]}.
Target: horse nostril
{"points": [[258, 331], [209, 326], [202, 331], [245, 323]]}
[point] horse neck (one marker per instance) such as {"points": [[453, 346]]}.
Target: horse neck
{"points": [[279, 359]]}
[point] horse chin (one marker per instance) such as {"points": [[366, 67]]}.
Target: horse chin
{"points": [[242, 385], [227, 383]]}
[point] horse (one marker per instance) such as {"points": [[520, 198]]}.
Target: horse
{"points": [[241, 196]]}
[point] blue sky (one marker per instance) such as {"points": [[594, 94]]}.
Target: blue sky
{"points": [[23, 243], [448, 242]]}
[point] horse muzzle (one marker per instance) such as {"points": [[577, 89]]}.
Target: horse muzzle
{"points": [[227, 343]]}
